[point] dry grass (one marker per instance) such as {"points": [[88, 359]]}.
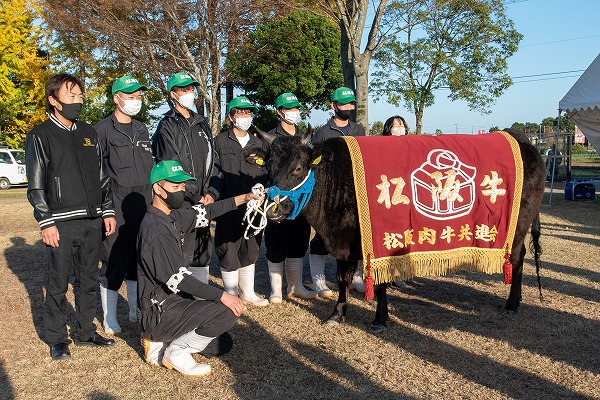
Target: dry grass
{"points": [[445, 338]]}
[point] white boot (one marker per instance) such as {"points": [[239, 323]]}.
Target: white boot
{"points": [[246, 280], [109, 310], [230, 281], [132, 301], [276, 278], [200, 273], [153, 351], [293, 273], [178, 355], [357, 279], [317, 271]]}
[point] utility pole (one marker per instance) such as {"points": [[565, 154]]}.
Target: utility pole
{"points": [[455, 128]]}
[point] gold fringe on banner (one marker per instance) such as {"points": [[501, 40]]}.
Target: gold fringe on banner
{"points": [[431, 263]]}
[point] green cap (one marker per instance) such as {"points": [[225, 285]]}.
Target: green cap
{"points": [[287, 100], [127, 84], [169, 170], [343, 95], [241, 102], [181, 79]]}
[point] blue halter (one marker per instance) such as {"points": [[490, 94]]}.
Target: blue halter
{"points": [[299, 195]]}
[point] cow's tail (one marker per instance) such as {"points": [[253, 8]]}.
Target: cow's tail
{"points": [[536, 248]]}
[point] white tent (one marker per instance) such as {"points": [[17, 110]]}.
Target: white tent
{"points": [[582, 103]]}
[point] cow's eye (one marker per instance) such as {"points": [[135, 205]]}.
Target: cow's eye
{"points": [[298, 170]]}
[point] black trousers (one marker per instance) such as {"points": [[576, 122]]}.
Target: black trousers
{"points": [[178, 315], [287, 239], [317, 246], [118, 258], [78, 253], [235, 252]]}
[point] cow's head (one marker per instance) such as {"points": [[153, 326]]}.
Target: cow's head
{"points": [[289, 162]]}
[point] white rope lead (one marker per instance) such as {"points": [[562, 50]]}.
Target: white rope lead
{"points": [[253, 207]]}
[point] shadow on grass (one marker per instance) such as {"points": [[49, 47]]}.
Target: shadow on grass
{"points": [[275, 372], [6, 390], [29, 263], [445, 306]]}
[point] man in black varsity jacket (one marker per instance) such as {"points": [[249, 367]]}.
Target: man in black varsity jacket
{"points": [[68, 187]]}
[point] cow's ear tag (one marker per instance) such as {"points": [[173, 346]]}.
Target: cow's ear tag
{"points": [[259, 161], [317, 160]]}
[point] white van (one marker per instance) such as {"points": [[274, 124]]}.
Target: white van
{"points": [[12, 168]]}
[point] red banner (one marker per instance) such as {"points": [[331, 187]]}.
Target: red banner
{"points": [[429, 205]]}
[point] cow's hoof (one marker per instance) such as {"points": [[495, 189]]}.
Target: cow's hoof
{"points": [[376, 328], [331, 322]]}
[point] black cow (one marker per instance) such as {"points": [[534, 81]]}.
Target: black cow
{"points": [[332, 209]]}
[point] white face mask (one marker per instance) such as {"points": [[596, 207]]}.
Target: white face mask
{"points": [[186, 100], [398, 131], [131, 107], [243, 124], [291, 116]]}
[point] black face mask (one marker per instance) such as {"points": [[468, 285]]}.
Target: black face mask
{"points": [[70, 111], [344, 115], [174, 199]]}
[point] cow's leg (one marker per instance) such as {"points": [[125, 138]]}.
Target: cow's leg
{"points": [[381, 315], [514, 298], [345, 272]]}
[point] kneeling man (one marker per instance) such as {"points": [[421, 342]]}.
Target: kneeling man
{"points": [[180, 315]]}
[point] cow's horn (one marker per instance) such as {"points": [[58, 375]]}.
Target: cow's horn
{"points": [[308, 135], [267, 137]]}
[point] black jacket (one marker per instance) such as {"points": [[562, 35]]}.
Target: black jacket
{"points": [[279, 131], [330, 130], [192, 145], [129, 159], [237, 175], [67, 177]]}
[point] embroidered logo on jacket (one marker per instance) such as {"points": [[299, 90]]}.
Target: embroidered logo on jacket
{"points": [[87, 142]]}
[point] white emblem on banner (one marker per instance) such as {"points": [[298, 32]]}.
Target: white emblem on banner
{"points": [[443, 187]]}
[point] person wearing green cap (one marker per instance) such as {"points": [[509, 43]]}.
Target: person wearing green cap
{"points": [[127, 151], [237, 255], [286, 242], [179, 314], [343, 103], [185, 136]]}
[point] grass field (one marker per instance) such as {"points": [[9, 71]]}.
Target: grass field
{"points": [[445, 338]]}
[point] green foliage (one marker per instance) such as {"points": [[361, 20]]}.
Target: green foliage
{"points": [[23, 72], [494, 129], [438, 132], [299, 54], [578, 149], [461, 45], [376, 128]]}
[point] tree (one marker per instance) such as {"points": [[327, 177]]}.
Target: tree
{"points": [[462, 45], [298, 53], [566, 123], [438, 132], [385, 22], [376, 128], [161, 37], [23, 73], [494, 129]]}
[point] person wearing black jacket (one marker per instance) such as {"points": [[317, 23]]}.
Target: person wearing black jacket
{"points": [[69, 189], [287, 241], [185, 136], [343, 103], [125, 144], [237, 255], [179, 314]]}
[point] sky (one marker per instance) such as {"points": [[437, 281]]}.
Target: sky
{"points": [[561, 39]]}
